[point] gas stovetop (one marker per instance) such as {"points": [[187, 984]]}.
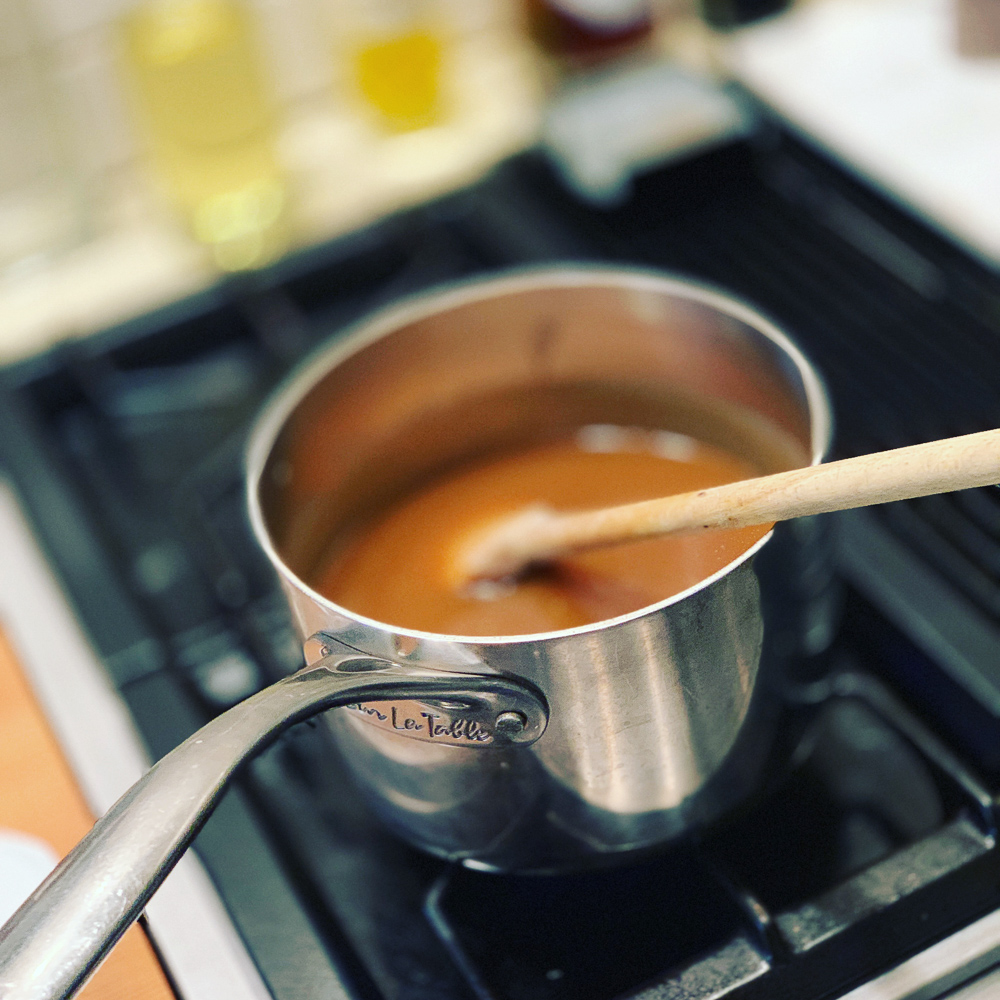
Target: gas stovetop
{"points": [[874, 844]]}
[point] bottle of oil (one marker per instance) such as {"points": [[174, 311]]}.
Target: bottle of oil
{"points": [[394, 52], [202, 95]]}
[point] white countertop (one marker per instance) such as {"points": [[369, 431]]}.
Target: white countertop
{"points": [[881, 83]]}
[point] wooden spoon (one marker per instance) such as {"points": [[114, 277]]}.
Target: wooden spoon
{"points": [[538, 534]]}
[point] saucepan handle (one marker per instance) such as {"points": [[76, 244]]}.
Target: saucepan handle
{"points": [[55, 941]]}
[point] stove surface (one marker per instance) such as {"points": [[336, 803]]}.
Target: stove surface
{"points": [[873, 850]]}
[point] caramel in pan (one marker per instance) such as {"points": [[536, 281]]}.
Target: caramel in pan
{"points": [[397, 566]]}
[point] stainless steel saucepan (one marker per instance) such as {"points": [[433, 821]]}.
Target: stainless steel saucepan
{"points": [[529, 752]]}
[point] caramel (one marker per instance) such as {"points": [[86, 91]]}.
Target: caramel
{"points": [[397, 566]]}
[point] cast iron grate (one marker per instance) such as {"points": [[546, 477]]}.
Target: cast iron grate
{"points": [[858, 848]]}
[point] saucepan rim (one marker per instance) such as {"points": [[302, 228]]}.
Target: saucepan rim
{"points": [[443, 298]]}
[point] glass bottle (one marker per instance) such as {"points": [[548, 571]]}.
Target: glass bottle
{"points": [[203, 98], [586, 33], [394, 53]]}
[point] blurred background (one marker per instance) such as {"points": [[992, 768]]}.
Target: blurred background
{"points": [[148, 146], [833, 162]]}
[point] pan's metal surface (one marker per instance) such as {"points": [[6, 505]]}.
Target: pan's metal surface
{"points": [[659, 718]]}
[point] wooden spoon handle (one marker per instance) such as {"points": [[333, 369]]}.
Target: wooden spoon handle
{"points": [[539, 534]]}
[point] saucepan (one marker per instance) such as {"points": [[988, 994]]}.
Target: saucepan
{"points": [[528, 752]]}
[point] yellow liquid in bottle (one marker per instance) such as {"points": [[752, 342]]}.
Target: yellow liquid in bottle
{"points": [[202, 96], [399, 76]]}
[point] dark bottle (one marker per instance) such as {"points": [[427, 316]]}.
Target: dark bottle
{"points": [[588, 32]]}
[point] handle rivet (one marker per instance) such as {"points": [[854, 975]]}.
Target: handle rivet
{"points": [[510, 724]]}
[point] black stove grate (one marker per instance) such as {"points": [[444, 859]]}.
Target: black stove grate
{"points": [[862, 847], [128, 449]]}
